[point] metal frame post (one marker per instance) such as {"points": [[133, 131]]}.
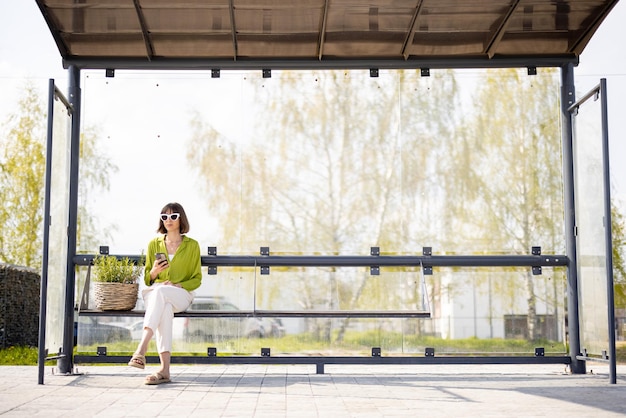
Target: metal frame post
{"points": [[608, 234], [43, 287], [568, 97], [66, 363]]}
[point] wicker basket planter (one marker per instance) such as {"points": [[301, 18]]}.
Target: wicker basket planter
{"points": [[115, 283], [115, 296]]}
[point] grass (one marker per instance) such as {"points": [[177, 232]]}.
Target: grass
{"points": [[18, 356], [620, 352], [353, 344]]}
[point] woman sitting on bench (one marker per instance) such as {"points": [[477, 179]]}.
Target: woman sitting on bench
{"points": [[172, 273]]}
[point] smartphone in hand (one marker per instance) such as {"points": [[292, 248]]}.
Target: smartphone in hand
{"points": [[161, 258]]}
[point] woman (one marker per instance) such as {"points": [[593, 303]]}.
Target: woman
{"points": [[171, 281]]}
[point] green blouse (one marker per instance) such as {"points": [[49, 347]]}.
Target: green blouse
{"points": [[184, 267]]}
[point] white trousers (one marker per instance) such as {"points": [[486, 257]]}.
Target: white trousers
{"points": [[161, 302]]}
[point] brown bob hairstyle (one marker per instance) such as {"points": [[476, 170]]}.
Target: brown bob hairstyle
{"points": [[174, 208]]}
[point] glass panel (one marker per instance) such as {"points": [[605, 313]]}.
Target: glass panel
{"points": [[477, 311], [489, 303], [116, 333], [59, 212], [591, 246], [333, 163]]}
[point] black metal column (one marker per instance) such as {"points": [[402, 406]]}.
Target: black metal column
{"points": [[43, 286], [568, 97], [66, 363], [608, 234]]}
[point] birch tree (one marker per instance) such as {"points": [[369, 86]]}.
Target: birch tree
{"points": [[22, 166], [340, 164], [510, 197]]}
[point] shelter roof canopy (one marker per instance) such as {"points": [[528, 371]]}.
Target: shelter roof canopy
{"points": [[320, 33]]}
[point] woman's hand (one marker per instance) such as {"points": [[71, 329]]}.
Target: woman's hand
{"points": [[157, 267]]}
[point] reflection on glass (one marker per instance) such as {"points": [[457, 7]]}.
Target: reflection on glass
{"points": [[59, 210], [592, 274]]}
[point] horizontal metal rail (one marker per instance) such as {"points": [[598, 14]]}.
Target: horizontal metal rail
{"points": [[366, 261], [320, 361], [594, 359], [335, 261], [271, 313]]}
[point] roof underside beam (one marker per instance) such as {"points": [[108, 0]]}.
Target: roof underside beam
{"points": [[322, 36], [499, 32], [411, 34], [231, 7], [144, 30], [158, 63]]}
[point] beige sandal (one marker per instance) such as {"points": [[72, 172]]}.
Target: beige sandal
{"points": [[156, 379], [138, 361]]}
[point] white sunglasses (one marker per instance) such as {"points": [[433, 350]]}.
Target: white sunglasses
{"points": [[172, 216]]}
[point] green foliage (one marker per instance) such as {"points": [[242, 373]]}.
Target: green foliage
{"points": [[22, 167], [22, 164], [345, 162], [18, 356], [618, 228], [354, 343], [110, 269], [93, 163], [334, 174], [344, 169], [510, 192]]}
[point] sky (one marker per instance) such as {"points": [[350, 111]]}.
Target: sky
{"points": [[28, 52]]}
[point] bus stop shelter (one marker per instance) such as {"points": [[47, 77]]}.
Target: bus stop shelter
{"points": [[221, 35]]}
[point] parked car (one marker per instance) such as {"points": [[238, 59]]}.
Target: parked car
{"points": [[91, 331], [223, 328], [136, 330]]}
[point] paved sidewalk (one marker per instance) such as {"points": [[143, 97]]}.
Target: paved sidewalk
{"points": [[297, 391]]}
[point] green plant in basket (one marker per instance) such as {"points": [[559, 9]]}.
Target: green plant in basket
{"points": [[116, 282], [110, 269]]}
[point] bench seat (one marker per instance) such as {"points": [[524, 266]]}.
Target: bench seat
{"points": [[271, 313]]}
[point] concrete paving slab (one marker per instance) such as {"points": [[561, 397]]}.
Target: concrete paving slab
{"points": [[297, 391]]}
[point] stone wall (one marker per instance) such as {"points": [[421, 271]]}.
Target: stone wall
{"points": [[19, 306]]}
